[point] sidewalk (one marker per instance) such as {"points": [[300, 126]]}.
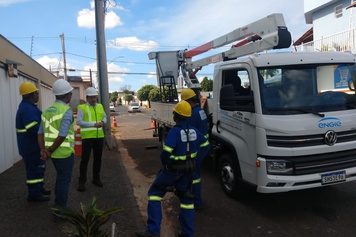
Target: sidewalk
{"points": [[20, 218]]}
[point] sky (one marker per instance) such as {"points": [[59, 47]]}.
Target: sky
{"points": [[133, 28]]}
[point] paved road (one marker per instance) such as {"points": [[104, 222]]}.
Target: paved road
{"points": [[327, 212]]}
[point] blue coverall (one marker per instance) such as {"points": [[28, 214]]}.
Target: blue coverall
{"points": [[199, 121], [175, 149], [28, 119]]}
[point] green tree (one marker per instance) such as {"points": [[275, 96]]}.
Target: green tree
{"points": [[143, 93], [206, 84], [113, 96], [128, 98], [154, 95]]}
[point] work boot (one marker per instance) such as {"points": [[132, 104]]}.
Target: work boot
{"points": [[97, 182], [41, 198], [145, 233], [81, 186]]}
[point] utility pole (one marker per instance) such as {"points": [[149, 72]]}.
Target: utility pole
{"points": [[64, 57], [102, 66]]}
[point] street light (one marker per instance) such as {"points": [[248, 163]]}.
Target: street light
{"points": [[115, 58]]}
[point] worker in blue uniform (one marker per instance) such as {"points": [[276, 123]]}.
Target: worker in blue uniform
{"points": [[199, 121], [182, 145], [28, 119]]}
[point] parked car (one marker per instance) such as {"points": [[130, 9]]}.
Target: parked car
{"points": [[112, 107], [134, 107]]}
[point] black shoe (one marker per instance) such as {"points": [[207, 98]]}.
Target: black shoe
{"points": [[41, 198], [145, 233], [46, 191], [97, 182], [81, 187]]}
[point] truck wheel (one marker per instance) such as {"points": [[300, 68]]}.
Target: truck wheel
{"points": [[229, 176]]}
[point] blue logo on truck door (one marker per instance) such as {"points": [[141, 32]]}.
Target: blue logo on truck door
{"points": [[329, 122]]}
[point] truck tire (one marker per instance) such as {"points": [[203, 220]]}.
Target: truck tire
{"points": [[229, 174]]}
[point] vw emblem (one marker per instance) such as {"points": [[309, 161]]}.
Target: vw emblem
{"points": [[330, 137]]}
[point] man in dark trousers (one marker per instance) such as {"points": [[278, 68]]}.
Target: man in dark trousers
{"points": [[182, 145], [28, 119], [91, 118], [199, 121], [56, 139]]}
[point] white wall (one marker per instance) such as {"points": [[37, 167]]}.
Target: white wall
{"points": [[10, 99], [326, 17]]}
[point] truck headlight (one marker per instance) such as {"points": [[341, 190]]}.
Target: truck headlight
{"points": [[281, 167]]}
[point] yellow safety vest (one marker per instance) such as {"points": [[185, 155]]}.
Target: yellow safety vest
{"points": [[92, 114], [51, 122]]}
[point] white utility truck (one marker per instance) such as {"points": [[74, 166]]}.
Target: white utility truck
{"points": [[280, 121]]}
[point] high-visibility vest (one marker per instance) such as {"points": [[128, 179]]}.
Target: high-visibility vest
{"points": [[51, 122], [92, 114]]}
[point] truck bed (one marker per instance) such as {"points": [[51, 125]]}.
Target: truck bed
{"points": [[162, 113]]}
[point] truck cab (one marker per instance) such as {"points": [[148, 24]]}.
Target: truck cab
{"points": [[284, 121]]}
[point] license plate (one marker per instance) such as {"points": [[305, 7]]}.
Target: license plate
{"points": [[333, 177]]}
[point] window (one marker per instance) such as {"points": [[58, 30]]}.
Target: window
{"points": [[239, 79], [338, 11], [298, 89]]}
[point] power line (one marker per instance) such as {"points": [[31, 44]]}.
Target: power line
{"points": [[93, 41]]}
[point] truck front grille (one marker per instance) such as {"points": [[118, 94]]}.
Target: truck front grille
{"points": [[308, 140]]}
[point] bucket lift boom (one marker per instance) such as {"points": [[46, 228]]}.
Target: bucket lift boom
{"points": [[267, 33]]}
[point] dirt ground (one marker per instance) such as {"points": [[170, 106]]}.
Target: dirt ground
{"points": [[142, 179]]}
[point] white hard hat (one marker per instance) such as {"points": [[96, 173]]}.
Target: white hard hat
{"points": [[61, 87], [91, 91]]}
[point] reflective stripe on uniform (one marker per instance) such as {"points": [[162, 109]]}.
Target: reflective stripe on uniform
{"points": [[27, 127], [173, 157], [167, 149], [82, 129], [154, 198], [34, 181], [204, 144], [187, 206], [30, 125], [21, 130], [63, 144], [196, 181]]}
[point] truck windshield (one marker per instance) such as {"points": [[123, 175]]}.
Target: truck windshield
{"points": [[307, 89]]}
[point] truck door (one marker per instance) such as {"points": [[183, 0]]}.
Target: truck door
{"points": [[236, 116]]}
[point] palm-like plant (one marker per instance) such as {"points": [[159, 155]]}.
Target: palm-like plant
{"points": [[90, 219]]}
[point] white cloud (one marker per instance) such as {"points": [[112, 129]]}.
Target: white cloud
{"points": [[132, 43], [4, 3], [52, 64], [86, 17], [113, 79], [112, 20], [151, 75]]}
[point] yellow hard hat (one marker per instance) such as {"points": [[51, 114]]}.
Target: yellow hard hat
{"points": [[187, 94], [183, 108], [27, 88]]}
